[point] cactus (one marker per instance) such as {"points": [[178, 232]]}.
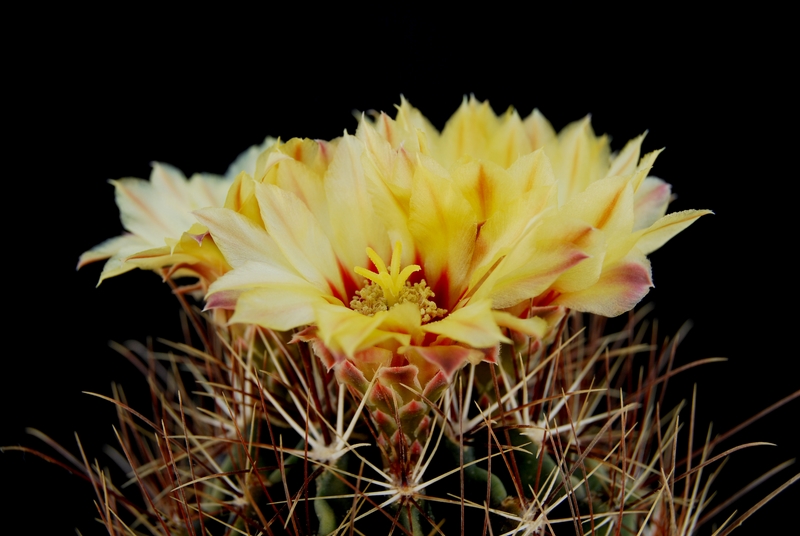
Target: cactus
{"points": [[275, 445], [466, 387]]}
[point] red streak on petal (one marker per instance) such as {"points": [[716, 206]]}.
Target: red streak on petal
{"points": [[546, 299], [632, 275], [656, 194], [441, 289], [387, 129], [323, 149], [349, 281]]}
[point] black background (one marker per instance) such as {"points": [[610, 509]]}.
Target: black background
{"points": [[101, 103]]}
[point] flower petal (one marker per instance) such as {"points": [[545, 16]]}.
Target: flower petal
{"points": [[246, 161], [300, 238], [251, 275], [280, 307], [650, 202], [550, 247], [509, 141], [531, 171], [444, 228], [354, 224], [473, 325], [579, 158], [240, 239], [625, 162], [606, 204], [346, 331], [119, 246], [467, 132], [485, 185], [533, 326], [618, 290], [665, 228], [389, 174], [539, 129], [116, 250]]}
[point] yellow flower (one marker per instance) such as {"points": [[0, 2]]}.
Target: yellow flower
{"points": [[408, 253], [162, 232], [612, 194]]}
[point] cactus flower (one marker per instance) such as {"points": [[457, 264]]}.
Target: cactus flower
{"points": [[402, 254], [161, 231]]}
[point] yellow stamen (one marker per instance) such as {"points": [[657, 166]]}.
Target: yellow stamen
{"points": [[390, 281]]}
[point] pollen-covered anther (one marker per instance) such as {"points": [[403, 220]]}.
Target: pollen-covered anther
{"points": [[370, 300], [390, 287], [421, 294]]}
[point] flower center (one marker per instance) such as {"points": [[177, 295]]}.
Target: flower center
{"points": [[390, 287]]}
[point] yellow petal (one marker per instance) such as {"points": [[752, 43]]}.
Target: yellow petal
{"points": [[533, 326], [650, 202], [412, 120], [300, 238], [403, 318], [444, 228], [486, 186], [643, 169], [278, 307], [396, 133], [502, 232], [240, 239], [665, 228], [268, 159], [247, 159], [388, 173], [579, 158], [146, 213], [116, 250], [549, 247], [301, 180], [241, 198], [468, 132], [606, 204], [120, 246], [531, 171], [539, 129], [510, 141], [347, 331], [354, 225], [618, 290], [257, 275], [625, 162], [473, 325]]}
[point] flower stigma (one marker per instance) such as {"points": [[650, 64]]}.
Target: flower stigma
{"points": [[390, 287]]}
